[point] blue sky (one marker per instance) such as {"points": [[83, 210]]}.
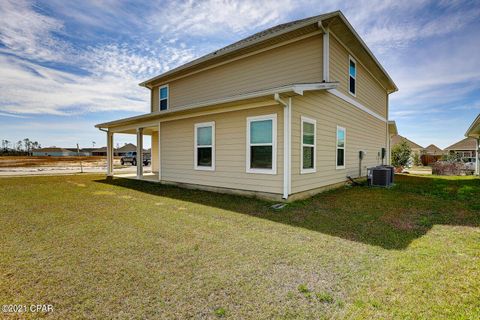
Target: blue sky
{"points": [[67, 65]]}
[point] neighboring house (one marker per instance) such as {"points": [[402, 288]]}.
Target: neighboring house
{"points": [[128, 147], [465, 149], [473, 132], [102, 152], [416, 148], [433, 150], [283, 113], [53, 152]]}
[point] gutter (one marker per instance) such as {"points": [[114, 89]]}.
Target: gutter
{"points": [[287, 145]]}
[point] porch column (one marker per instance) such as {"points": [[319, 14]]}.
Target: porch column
{"points": [[159, 153], [139, 153], [477, 161], [109, 153]]}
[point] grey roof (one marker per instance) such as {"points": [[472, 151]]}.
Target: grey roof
{"points": [[465, 144], [398, 138], [433, 149], [269, 33]]}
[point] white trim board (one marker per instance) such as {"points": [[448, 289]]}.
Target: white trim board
{"points": [[355, 103]]}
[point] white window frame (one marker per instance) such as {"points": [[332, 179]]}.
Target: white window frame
{"points": [[314, 122], [344, 148], [249, 169], [195, 151], [167, 98], [351, 59]]}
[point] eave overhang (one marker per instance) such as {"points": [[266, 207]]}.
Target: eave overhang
{"points": [[474, 129], [287, 90]]}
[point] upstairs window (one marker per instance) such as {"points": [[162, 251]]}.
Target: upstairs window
{"points": [[163, 97], [341, 137], [308, 145], [261, 144], [204, 156], [352, 75]]}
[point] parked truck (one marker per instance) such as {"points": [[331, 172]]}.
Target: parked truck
{"points": [[131, 157]]}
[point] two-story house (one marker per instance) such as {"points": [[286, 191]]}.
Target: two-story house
{"points": [[283, 113]]}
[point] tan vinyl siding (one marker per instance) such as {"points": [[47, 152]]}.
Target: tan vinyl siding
{"points": [[177, 152], [363, 132], [368, 91], [297, 62]]}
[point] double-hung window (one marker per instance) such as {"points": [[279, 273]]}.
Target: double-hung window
{"points": [[352, 76], [204, 156], [308, 154], [163, 97], [341, 142], [261, 144]]}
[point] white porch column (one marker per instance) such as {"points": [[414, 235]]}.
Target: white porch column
{"points": [[110, 153], [159, 153], [139, 153], [477, 162]]}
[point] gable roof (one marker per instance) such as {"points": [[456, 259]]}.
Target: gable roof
{"points": [[335, 21], [398, 139], [433, 149], [474, 129], [127, 147], [465, 144]]}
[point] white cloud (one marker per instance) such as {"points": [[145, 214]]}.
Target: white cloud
{"points": [[27, 33], [218, 16], [110, 77]]}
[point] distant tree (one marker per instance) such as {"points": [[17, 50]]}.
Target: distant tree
{"points": [[401, 154], [27, 145], [19, 145], [416, 159]]}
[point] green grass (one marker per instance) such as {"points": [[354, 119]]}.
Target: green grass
{"points": [[97, 248]]}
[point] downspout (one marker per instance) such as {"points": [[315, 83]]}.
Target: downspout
{"points": [[287, 111]]}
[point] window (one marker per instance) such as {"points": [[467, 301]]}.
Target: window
{"points": [[341, 137], [352, 76], [307, 153], [204, 157], [261, 144], [163, 97]]}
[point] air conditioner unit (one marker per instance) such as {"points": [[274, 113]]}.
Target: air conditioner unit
{"points": [[392, 172], [379, 177]]}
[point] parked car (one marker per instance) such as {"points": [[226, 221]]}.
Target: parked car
{"points": [[470, 163], [131, 157]]}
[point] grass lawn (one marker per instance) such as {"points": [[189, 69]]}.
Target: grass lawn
{"points": [[127, 249]]}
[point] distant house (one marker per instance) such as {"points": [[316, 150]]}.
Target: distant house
{"points": [[101, 152], [416, 148], [129, 147], [433, 150], [465, 149], [53, 152]]}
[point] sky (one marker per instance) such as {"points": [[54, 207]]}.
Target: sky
{"points": [[68, 65]]}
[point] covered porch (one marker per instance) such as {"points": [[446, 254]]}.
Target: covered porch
{"points": [[140, 131]]}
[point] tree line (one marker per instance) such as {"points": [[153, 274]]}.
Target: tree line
{"points": [[21, 147]]}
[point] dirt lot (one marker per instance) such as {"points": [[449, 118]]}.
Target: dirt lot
{"points": [[24, 161], [23, 165]]}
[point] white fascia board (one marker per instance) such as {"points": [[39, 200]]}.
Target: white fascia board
{"points": [[296, 88]]}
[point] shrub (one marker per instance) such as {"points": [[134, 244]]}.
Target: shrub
{"points": [[447, 168], [401, 154], [416, 159]]}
